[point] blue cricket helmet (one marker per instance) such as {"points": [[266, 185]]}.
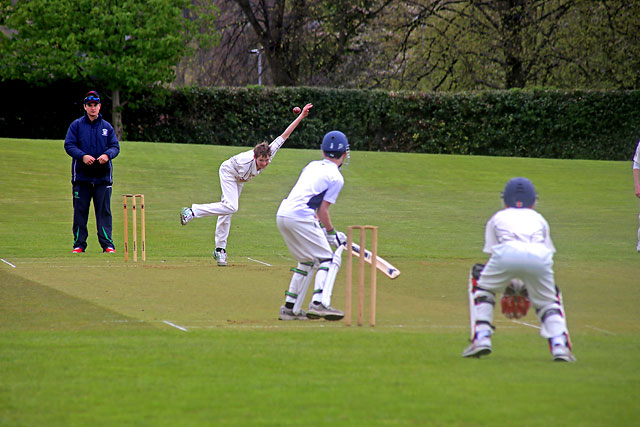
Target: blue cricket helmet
{"points": [[519, 193], [334, 144]]}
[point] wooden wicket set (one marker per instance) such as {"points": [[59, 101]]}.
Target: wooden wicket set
{"points": [[361, 273], [133, 197]]}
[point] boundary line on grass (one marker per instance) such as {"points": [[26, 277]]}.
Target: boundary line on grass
{"points": [[175, 326], [7, 262]]}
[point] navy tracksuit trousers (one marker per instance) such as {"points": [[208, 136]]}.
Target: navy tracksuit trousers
{"points": [[83, 193]]}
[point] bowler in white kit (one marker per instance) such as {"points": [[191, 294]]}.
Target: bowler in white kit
{"points": [[234, 173], [520, 247]]}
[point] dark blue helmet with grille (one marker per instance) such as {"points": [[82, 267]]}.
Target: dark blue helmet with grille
{"points": [[334, 144], [519, 193]]}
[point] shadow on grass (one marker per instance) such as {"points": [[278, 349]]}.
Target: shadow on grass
{"points": [[26, 305]]}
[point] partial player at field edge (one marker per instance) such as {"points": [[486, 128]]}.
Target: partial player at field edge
{"points": [[636, 182]]}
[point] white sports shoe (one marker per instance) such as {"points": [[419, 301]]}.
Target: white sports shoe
{"points": [[562, 353], [317, 311], [221, 257], [638, 247], [186, 215], [287, 314], [478, 347]]}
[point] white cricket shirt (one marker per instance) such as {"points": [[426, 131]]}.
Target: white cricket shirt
{"points": [[517, 225], [319, 180], [636, 158], [243, 165]]}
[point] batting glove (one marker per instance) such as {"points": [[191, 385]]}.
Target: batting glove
{"points": [[336, 238]]}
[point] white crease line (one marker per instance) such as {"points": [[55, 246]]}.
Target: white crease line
{"points": [[175, 326], [124, 321], [600, 330], [7, 262], [286, 257], [255, 260], [312, 324], [526, 324]]}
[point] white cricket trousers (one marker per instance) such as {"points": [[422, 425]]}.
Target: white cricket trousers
{"points": [[308, 244], [226, 207], [305, 239], [531, 263], [638, 247]]}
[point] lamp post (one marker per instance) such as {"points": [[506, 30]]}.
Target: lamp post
{"points": [[259, 53]]}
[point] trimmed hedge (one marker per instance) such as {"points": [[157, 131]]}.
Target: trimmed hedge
{"points": [[523, 123]]}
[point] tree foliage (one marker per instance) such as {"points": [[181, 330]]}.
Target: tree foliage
{"points": [[458, 45], [309, 39], [599, 47], [319, 43], [119, 45], [463, 45], [425, 45], [444, 45]]}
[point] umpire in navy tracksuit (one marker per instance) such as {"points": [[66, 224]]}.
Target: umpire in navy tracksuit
{"points": [[92, 144]]}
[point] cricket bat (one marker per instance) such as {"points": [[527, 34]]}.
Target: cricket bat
{"points": [[381, 264]]}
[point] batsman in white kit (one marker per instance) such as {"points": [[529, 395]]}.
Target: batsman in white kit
{"points": [[520, 266], [299, 220], [234, 172]]}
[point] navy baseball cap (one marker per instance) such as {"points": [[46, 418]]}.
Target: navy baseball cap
{"points": [[92, 96]]}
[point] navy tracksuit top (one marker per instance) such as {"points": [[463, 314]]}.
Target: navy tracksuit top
{"points": [[95, 139]]}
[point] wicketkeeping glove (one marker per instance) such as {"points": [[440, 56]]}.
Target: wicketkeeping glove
{"points": [[515, 301]]}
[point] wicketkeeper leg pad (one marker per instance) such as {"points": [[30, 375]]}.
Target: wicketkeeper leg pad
{"points": [[553, 321], [481, 304]]}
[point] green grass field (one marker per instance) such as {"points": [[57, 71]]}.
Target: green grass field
{"points": [[89, 340]]}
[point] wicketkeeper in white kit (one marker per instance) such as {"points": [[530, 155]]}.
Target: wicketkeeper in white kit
{"points": [[234, 172], [520, 247], [299, 220]]}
